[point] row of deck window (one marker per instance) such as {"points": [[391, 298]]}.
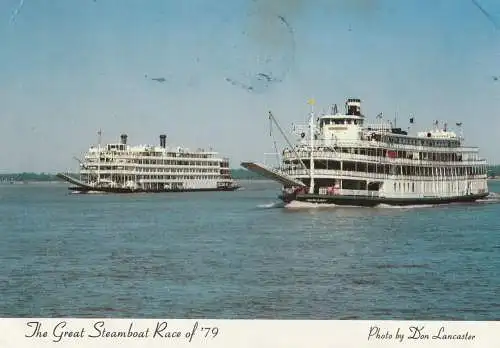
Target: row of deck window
{"points": [[390, 169], [117, 178], [161, 162], [421, 142], [394, 154]]}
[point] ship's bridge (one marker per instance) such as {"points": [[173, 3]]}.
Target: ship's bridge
{"points": [[346, 126]]}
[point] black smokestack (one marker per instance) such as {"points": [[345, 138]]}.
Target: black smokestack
{"points": [[124, 139], [163, 140]]}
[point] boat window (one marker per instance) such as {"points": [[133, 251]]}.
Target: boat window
{"points": [[325, 122]]}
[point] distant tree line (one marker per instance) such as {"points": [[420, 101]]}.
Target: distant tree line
{"points": [[28, 177]]}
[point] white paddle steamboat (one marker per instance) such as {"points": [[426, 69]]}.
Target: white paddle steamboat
{"points": [[123, 168], [340, 160]]}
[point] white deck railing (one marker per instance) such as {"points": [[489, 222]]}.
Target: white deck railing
{"points": [[346, 192], [329, 173], [378, 145], [342, 156]]}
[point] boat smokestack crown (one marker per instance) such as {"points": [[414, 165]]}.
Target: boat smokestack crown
{"points": [[123, 139], [353, 106], [163, 140]]}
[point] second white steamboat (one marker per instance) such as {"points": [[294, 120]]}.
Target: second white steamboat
{"points": [[338, 159], [122, 168]]}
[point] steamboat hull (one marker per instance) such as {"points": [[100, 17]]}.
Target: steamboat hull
{"points": [[346, 162], [369, 201], [88, 189], [82, 187]]}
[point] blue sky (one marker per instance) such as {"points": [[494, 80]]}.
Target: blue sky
{"points": [[68, 68]]}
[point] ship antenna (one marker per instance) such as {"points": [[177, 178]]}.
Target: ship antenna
{"points": [[311, 140]]}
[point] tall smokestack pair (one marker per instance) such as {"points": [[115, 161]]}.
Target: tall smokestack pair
{"points": [[124, 139]]}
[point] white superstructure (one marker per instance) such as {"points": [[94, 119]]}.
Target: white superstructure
{"points": [[382, 160], [338, 155], [154, 168]]}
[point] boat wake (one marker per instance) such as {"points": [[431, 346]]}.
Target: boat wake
{"points": [[87, 192], [271, 205], [492, 198], [388, 206], [307, 205]]}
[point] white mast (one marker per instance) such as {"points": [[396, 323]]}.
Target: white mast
{"points": [[311, 157], [99, 134]]}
